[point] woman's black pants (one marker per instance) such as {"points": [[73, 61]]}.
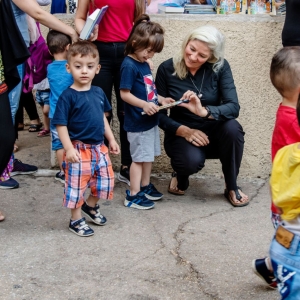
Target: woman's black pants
{"points": [[111, 58], [226, 143], [7, 133]]}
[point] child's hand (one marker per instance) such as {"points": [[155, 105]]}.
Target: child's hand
{"points": [[150, 108], [72, 155], [114, 147], [165, 101], [150, 63]]}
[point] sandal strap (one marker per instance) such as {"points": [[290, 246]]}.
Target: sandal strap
{"points": [[237, 194]]}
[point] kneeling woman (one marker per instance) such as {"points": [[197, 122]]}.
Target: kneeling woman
{"points": [[203, 128]]}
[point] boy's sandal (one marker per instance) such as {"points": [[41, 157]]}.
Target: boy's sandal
{"points": [[2, 217], [173, 189], [35, 127], [81, 228], [93, 214], [238, 198], [43, 132]]}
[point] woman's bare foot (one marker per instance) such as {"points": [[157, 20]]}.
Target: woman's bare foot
{"points": [[173, 189], [2, 217], [236, 197], [244, 198]]}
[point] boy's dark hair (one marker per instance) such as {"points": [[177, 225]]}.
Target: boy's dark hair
{"points": [[57, 41], [285, 69], [83, 48], [145, 34]]}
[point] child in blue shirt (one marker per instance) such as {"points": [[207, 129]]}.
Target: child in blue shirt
{"points": [[138, 91], [59, 79], [81, 126]]}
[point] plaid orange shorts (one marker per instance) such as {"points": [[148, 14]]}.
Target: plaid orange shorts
{"points": [[93, 170]]}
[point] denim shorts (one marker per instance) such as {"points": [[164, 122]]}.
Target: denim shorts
{"points": [[42, 97], [55, 141], [286, 266]]}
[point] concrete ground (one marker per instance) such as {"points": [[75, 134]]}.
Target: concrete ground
{"points": [[195, 246]]}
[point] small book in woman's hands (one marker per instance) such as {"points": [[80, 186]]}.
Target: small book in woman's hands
{"points": [[91, 21], [171, 105]]}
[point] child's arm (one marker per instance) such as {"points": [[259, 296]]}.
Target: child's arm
{"points": [[149, 108], [113, 146], [72, 155]]}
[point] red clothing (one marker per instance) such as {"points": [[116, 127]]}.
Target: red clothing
{"points": [[118, 20], [286, 132]]}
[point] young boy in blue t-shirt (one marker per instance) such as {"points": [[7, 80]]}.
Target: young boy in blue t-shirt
{"points": [[81, 126], [59, 79]]}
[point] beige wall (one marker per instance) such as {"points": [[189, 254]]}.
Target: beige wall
{"points": [[251, 42]]}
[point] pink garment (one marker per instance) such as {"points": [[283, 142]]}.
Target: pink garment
{"points": [[118, 20], [6, 173], [152, 8]]}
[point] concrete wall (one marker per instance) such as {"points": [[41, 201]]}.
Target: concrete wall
{"points": [[251, 42]]}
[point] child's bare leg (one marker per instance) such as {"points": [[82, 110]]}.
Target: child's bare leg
{"points": [[76, 213], [46, 119], [92, 201], [136, 170], [60, 155], [146, 173]]}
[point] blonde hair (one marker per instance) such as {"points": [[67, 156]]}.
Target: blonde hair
{"points": [[215, 41]]}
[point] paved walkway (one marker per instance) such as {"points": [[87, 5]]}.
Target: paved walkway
{"points": [[192, 247]]}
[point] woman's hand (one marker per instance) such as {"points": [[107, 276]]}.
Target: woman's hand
{"points": [[94, 34], [193, 136], [194, 105], [165, 101]]}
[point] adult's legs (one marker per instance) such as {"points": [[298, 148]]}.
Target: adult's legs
{"points": [[15, 94], [186, 159], [227, 143], [111, 57], [7, 133]]}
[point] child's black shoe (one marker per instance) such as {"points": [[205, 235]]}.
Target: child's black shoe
{"points": [[93, 214], [80, 228]]}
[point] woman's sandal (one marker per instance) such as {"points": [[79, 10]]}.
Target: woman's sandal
{"points": [[35, 127], [238, 197], [173, 189], [43, 132]]}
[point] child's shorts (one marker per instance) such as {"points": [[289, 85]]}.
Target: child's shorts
{"points": [[144, 145], [42, 97], [94, 169], [286, 263], [55, 141]]}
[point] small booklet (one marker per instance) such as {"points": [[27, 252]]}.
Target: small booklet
{"points": [[92, 20], [170, 105]]}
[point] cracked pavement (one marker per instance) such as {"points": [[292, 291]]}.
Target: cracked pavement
{"points": [[195, 246]]}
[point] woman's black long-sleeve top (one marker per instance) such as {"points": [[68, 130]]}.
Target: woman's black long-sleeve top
{"points": [[218, 94]]}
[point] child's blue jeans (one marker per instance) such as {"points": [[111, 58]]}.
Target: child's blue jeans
{"points": [[286, 266]]}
